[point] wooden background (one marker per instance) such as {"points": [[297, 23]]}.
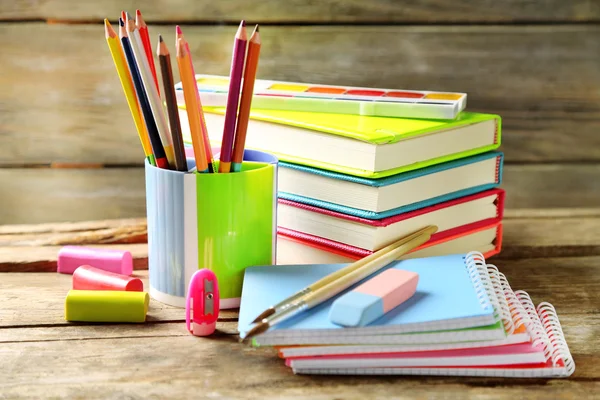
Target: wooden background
{"points": [[70, 151]]}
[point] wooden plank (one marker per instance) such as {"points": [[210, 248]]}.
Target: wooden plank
{"points": [[569, 283], [543, 81], [219, 367], [534, 237], [43, 258], [39, 299], [48, 195], [327, 11], [51, 195]]}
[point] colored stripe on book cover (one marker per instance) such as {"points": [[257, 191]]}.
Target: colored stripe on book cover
{"points": [[403, 216], [390, 180], [354, 252]]}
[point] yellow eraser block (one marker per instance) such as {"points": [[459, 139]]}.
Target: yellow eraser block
{"points": [[106, 306]]}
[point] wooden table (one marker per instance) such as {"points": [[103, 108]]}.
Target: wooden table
{"points": [[553, 255]]}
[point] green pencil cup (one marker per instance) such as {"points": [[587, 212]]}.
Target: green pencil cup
{"points": [[223, 222]]}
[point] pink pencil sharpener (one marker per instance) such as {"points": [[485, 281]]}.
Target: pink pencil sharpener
{"points": [[202, 303]]}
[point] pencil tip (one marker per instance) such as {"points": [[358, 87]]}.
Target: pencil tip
{"points": [[160, 39], [128, 16], [138, 13], [256, 28], [121, 22], [178, 30], [243, 23]]}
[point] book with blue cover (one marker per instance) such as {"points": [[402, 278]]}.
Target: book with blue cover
{"points": [[385, 197], [453, 301]]}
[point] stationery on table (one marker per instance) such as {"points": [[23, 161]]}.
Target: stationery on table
{"points": [[157, 147], [372, 234], [235, 83], [151, 89], [125, 77], [293, 96], [329, 286], [384, 197], [464, 319], [160, 130], [364, 146], [169, 93]]}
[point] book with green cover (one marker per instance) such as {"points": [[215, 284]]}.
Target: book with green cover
{"points": [[366, 146]]}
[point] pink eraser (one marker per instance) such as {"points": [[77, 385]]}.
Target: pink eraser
{"points": [[374, 298], [72, 257], [87, 277]]}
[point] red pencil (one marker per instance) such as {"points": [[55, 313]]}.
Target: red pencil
{"points": [[233, 97], [143, 29]]}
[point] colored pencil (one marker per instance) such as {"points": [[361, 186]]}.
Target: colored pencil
{"points": [[155, 103], [207, 148], [246, 100], [189, 92], [157, 147], [166, 72], [118, 57], [233, 96], [145, 36], [313, 298]]}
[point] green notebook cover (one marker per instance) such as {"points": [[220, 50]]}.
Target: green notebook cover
{"points": [[370, 129]]}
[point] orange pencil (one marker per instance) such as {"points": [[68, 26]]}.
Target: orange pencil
{"points": [[145, 35], [190, 91], [246, 101], [207, 148]]}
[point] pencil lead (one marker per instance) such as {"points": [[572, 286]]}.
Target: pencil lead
{"points": [[243, 23], [178, 30], [128, 16], [123, 15], [160, 39], [138, 13], [256, 28], [121, 22]]}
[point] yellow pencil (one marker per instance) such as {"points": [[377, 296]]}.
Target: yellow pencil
{"points": [[125, 77]]}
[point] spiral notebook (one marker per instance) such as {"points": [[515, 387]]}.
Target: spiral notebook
{"points": [[545, 355], [454, 301]]}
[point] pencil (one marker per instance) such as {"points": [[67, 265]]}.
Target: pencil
{"points": [[246, 100], [155, 103], [331, 289], [207, 148], [235, 79], [118, 57], [157, 148], [189, 93], [145, 36], [166, 72]]}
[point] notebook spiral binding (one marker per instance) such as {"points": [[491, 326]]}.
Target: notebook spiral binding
{"points": [[499, 284], [545, 329], [486, 284]]}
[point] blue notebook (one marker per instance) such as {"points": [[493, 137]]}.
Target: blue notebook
{"points": [[451, 296], [393, 195]]}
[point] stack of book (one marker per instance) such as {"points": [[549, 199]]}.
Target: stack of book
{"points": [[464, 319], [350, 184]]}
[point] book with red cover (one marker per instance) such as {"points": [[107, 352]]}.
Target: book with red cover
{"points": [[301, 248], [374, 234]]}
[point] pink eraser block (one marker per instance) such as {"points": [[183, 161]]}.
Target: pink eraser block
{"points": [[72, 257], [374, 298], [87, 277]]}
